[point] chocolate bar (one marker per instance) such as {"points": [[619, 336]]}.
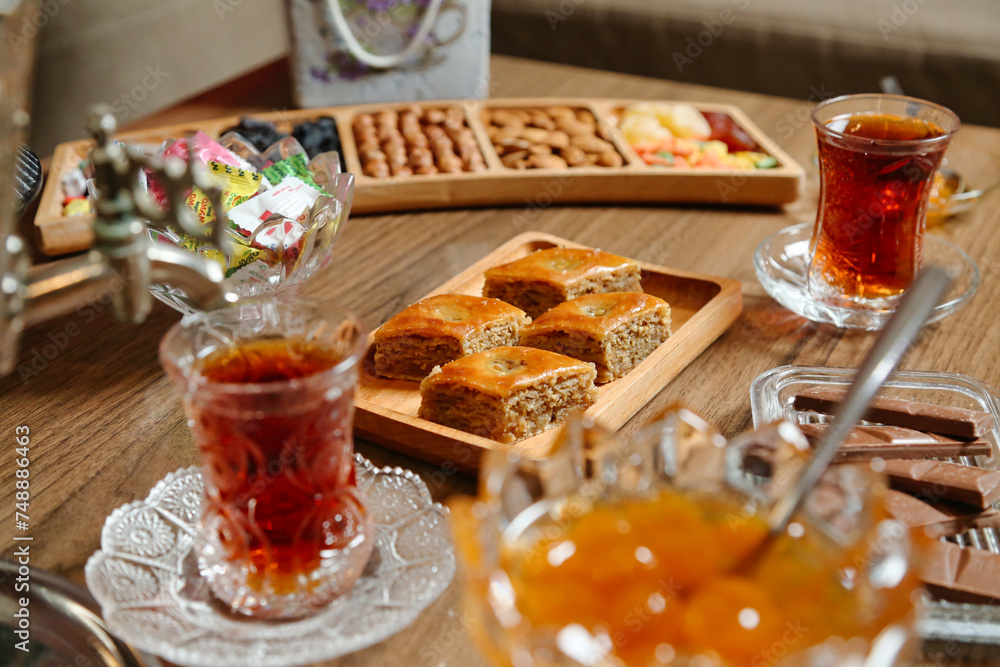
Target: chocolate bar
{"points": [[962, 574], [956, 422], [939, 519], [896, 442], [939, 480]]}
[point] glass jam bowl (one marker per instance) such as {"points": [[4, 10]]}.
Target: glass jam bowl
{"points": [[644, 552]]}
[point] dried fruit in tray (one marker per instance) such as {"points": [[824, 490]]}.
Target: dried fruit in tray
{"points": [[680, 136]]}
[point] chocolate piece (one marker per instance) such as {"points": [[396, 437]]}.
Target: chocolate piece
{"points": [[896, 442], [962, 574], [938, 480], [939, 519], [957, 422]]}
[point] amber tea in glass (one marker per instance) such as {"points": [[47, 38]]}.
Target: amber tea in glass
{"points": [[268, 389], [878, 155]]}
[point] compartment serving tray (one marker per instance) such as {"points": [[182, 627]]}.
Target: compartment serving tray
{"points": [[702, 307], [633, 182]]}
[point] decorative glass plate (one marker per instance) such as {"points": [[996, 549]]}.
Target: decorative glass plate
{"points": [[151, 595], [771, 397], [782, 262]]}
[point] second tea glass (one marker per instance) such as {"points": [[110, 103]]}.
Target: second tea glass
{"points": [[877, 155], [268, 388]]}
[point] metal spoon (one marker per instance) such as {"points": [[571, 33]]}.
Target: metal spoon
{"points": [[882, 359]]}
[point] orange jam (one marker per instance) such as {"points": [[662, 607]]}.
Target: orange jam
{"points": [[660, 577]]}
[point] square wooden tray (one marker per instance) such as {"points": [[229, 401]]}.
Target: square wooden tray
{"points": [[701, 307], [632, 183]]}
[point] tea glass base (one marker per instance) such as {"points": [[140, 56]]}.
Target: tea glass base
{"points": [[782, 265], [146, 578]]}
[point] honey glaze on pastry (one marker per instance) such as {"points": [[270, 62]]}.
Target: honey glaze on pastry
{"points": [[440, 329], [507, 393], [546, 278], [615, 331]]}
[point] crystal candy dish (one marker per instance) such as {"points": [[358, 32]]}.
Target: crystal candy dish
{"points": [[771, 399], [782, 264], [290, 251], [146, 580], [522, 501]]}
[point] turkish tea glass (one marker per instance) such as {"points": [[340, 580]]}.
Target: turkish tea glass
{"points": [[268, 388], [877, 157], [642, 552]]}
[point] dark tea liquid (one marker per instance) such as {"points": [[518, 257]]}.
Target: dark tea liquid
{"points": [[868, 241], [276, 462]]}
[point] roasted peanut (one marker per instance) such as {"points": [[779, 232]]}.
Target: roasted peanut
{"points": [[540, 149], [574, 156], [433, 116], [547, 162], [534, 135], [542, 120], [376, 168], [610, 159], [557, 139], [506, 118], [573, 127], [592, 144], [421, 157], [556, 112], [512, 159]]}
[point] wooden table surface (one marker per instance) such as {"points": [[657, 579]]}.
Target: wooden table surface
{"points": [[106, 425]]}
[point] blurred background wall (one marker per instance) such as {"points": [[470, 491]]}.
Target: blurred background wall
{"points": [[143, 55], [140, 56]]}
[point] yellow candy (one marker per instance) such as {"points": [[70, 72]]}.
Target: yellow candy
{"points": [[643, 130], [79, 206]]}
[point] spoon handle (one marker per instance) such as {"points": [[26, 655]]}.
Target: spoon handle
{"points": [[882, 359]]}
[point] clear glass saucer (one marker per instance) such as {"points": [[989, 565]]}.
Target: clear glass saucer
{"points": [[151, 595], [782, 262]]}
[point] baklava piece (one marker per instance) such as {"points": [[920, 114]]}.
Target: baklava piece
{"points": [[613, 331], [507, 393], [443, 328], [546, 278]]}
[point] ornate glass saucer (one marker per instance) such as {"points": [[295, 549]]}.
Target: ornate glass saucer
{"points": [[151, 595], [782, 264]]}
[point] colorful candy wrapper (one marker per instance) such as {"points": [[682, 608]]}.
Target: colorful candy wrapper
{"points": [[291, 199], [294, 165], [234, 180], [78, 206], [245, 262], [205, 150]]}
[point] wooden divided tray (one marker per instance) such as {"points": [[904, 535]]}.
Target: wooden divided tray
{"points": [[701, 307], [632, 182]]}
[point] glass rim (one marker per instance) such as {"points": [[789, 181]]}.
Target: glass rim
{"points": [[822, 127], [357, 349]]}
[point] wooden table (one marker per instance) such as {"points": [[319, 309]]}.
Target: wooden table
{"points": [[106, 424]]}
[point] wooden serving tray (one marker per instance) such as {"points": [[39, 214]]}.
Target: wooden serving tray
{"points": [[634, 182], [701, 308]]}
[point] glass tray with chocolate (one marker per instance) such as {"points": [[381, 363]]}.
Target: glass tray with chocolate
{"points": [[935, 437]]}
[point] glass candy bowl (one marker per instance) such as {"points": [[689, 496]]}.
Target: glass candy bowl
{"points": [[281, 252], [641, 553]]}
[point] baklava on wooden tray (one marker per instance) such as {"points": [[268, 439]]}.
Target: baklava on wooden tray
{"points": [[701, 308], [507, 394], [443, 328], [613, 331], [546, 278]]}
